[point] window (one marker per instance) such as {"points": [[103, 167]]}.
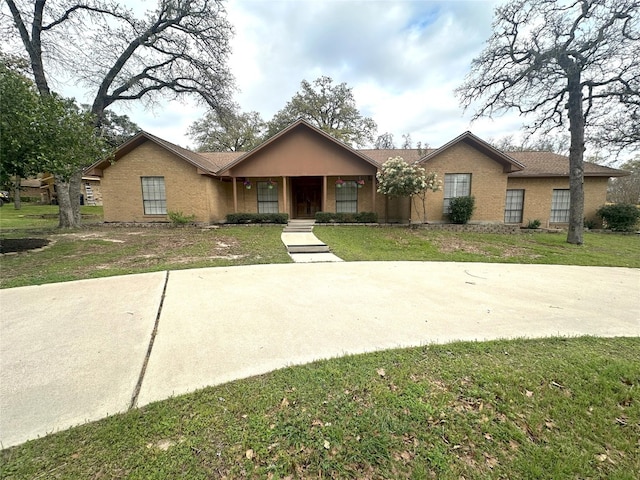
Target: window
{"points": [[267, 197], [347, 197], [455, 185], [154, 197], [513, 206], [560, 206]]}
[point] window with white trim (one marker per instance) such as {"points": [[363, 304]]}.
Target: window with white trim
{"points": [[455, 185], [154, 197], [513, 206], [347, 197], [267, 197], [560, 206]]}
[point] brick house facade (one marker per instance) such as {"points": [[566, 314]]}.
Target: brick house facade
{"points": [[303, 170]]}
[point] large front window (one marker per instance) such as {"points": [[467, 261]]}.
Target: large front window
{"points": [[154, 197], [347, 197], [455, 185], [267, 197], [514, 206], [560, 206]]}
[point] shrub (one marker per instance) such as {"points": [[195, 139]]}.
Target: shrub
{"points": [[621, 217], [280, 218], [179, 218], [360, 217], [533, 224], [461, 209]]}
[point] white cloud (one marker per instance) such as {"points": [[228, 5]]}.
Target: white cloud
{"points": [[402, 58]]}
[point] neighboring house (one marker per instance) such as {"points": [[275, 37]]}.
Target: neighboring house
{"points": [[41, 189], [303, 170]]}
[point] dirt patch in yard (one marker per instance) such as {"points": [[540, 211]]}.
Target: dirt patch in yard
{"points": [[452, 245], [15, 245], [148, 248]]}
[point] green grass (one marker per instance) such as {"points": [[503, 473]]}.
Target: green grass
{"points": [[361, 243], [550, 408], [97, 250], [32, 216], [106, 251]]}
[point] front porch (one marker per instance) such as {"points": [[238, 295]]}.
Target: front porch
{"points": [[301, 197]]}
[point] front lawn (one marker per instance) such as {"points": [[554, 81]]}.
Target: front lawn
{"points": [[362, 243], [543, 409], [97, 250]]}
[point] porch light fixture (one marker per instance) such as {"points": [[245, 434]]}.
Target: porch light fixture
{"points": [[339, 182], [247, 184]]}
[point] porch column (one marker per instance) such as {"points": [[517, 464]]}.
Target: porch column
{"points": [[235, 195], [373, 193], [324, 193], [284, 196]]}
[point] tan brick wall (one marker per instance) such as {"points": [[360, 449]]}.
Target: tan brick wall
{"points": [[186, 190], [488, 184], [539, 192], [365, 202]]}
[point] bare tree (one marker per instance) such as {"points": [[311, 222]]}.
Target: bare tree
{"points": [[406, 141], [569, 63], [547, 143], [385, 142], [626, 189], [180, 48]]}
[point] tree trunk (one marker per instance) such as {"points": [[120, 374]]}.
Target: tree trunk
{"points": [[576, 166], [69, 200], [17, 204]]}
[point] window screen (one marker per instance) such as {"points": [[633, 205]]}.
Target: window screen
{"points": [[513, 206], [560, 206], [267, 197], [455, 185], [154, 197], [347, 197]]}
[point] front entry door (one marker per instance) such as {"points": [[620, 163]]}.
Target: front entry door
{"points": [[306, 196]]}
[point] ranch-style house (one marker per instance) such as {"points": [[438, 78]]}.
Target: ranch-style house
{"points": [[303, 170]]}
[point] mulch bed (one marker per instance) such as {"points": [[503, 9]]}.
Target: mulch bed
{"points": [[10, 245]]}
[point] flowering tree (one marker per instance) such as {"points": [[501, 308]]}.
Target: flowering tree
{"points": [[397, 178]]}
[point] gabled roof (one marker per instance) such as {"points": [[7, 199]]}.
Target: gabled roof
{"points": [[221, 159], [516, 164], [409, 155], [297, 124], [508, 163], [202, 163], [549, 164]]}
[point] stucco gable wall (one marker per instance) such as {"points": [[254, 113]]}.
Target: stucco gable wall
{"points": [[302, 152], [538, 193], [186, 190], [488, 184]]}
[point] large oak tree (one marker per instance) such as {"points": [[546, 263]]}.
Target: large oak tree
{"points": [[331, 108], [180, 48], [569, 64]]}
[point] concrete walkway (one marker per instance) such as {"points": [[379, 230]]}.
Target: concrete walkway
{"points": [[79, 351], [303, 246]]}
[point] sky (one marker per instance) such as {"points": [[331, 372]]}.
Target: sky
{"points": [[403, 59]]}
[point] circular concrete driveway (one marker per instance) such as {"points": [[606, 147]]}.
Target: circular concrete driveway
{"points": [[78, 351]]}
